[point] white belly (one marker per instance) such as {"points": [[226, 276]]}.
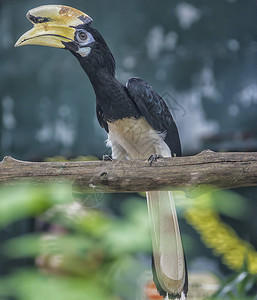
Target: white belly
{"points": [[135, 139]]}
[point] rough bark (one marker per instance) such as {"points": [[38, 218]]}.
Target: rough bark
{"points": [[219, 170]]}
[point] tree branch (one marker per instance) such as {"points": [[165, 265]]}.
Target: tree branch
{"points": [[219, 170]]}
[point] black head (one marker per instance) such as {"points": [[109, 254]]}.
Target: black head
{"points": [[91, 50]]}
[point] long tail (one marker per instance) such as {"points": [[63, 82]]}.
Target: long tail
{"points": [[169, 265]]}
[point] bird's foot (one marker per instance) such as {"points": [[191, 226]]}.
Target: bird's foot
{"points": [[154, 157], [107, 157]]}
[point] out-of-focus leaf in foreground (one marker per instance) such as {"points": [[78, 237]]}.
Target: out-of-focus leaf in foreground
{"points": [[237, 286], [21, 201], [85, 254], [32, 285]]}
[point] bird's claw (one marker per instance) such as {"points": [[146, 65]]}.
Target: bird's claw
{"points": [[153, 157], [107, 157]]}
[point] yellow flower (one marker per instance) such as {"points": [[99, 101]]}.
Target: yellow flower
{"points": [[220, 237]]}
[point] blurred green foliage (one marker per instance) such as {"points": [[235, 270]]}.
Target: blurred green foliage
{"points": [[237, 286], [22, 201], [85, 254], [91, 254]]}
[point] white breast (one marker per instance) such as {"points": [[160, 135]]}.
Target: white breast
{"points": [[136, 139]]}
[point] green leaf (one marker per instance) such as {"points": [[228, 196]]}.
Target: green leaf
{"points": [[31, 285], [22, 201], [48, 244]]}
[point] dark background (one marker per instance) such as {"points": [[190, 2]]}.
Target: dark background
{"points": [[201, 56]]}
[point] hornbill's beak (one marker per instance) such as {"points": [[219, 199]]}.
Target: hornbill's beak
{"points": [[53, 25]]}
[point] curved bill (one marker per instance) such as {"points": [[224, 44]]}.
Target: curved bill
{"points": [[53, 25]]}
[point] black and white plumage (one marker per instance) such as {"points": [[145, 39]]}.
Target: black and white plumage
{"points": [[137, 120], [154, 132], [155, 111]]}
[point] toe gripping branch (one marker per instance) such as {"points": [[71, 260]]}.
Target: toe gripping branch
{"points": [[155, 157], [107, 157]]}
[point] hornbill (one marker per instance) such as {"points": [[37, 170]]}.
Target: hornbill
{"points": [[137, 120]]}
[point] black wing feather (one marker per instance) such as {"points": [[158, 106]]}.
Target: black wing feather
{"points": [[100, 116], [155, 111]]}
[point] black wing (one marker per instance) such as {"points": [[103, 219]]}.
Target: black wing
{"points": [[155, 111], [100, 116]]}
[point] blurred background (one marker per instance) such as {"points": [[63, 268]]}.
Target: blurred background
{"points": [[200, 56]]}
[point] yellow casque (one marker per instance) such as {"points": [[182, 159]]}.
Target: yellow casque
{"points": [[53, 24]]}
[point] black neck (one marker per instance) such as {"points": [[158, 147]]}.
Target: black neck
{"points": [[107, 88], [110, 93], [101, 79]]}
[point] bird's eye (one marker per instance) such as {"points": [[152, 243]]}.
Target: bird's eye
{"points": [[82, 36]]}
